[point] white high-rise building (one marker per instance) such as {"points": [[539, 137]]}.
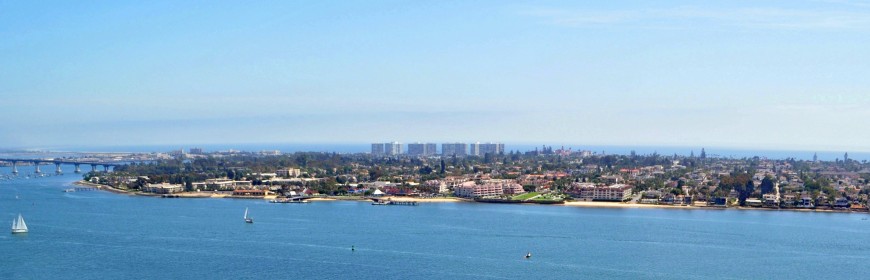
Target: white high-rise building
{"points": [[491, 148], [377, 148], [459, 149], [392, 149], [474, 149], [420, 149]]}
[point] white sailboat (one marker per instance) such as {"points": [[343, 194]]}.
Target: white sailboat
{"points": [[248, 219], [18, 225]]}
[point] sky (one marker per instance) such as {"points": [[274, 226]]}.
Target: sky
{"points": [[738, 74]]}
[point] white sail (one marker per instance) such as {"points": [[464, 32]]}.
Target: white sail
{"points": [[18, 225], [246, 213]]}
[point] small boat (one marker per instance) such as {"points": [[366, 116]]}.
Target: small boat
{"points": [[380, 203], [18, 225], [248, 219], [529, 255], [69, 190]]}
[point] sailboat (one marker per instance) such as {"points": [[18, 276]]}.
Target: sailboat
{"points": [[248, 219], [18, 225]]}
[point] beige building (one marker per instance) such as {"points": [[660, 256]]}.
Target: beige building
{"points": [[164, 188], [289, 172]]}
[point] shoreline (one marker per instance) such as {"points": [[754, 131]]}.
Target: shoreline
{"points": [[580, 204]]}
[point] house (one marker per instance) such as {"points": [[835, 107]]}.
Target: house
{"points": [[770, 200], [788, 201], [718, 202], [806, 202], [754, 202], [668, 199], [842, 203], [822, 202], [687, 200], [857, 207]]}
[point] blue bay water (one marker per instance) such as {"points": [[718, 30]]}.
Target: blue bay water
{"points": [[99, 235]]}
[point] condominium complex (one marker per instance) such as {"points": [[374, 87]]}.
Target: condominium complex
{"points": [[491, 148], [288, 172], [421, 149], [429, 149], [377, 148], [471, 189], [392, 149], [589, 191], [458, 149], [478, 149]]}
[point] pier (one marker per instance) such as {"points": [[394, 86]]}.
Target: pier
{"points": [[81, 189], [380, 201], [405, 203]]}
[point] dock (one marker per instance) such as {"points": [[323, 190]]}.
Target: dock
{"points": [[390, 202], [81, 189], [405, 203]]}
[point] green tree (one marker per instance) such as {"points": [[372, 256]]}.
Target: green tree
{"points": [[766, 185]]}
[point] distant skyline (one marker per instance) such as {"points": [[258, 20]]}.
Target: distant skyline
{"points": [[783, 75]]}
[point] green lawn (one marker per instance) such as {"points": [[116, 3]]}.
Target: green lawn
{"points": [[548, 198], [524, 196]]}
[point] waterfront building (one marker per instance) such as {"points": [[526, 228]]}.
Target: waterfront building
{"points": [[421, 149], [458, 149], [222, 184], [471, 189], [377, 148], [196, 151], [617, 192], [592, 192], [770, 200], [163, 188]]}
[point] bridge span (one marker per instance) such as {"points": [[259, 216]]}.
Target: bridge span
{"points": [[58, 162]]}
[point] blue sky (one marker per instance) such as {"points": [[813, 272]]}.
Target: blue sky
{"points": [[738, 74]]}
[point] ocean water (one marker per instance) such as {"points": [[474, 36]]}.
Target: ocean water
{"points": [[99, 235]]}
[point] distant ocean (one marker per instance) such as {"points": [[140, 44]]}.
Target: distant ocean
{"points": [[366, 147]]}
